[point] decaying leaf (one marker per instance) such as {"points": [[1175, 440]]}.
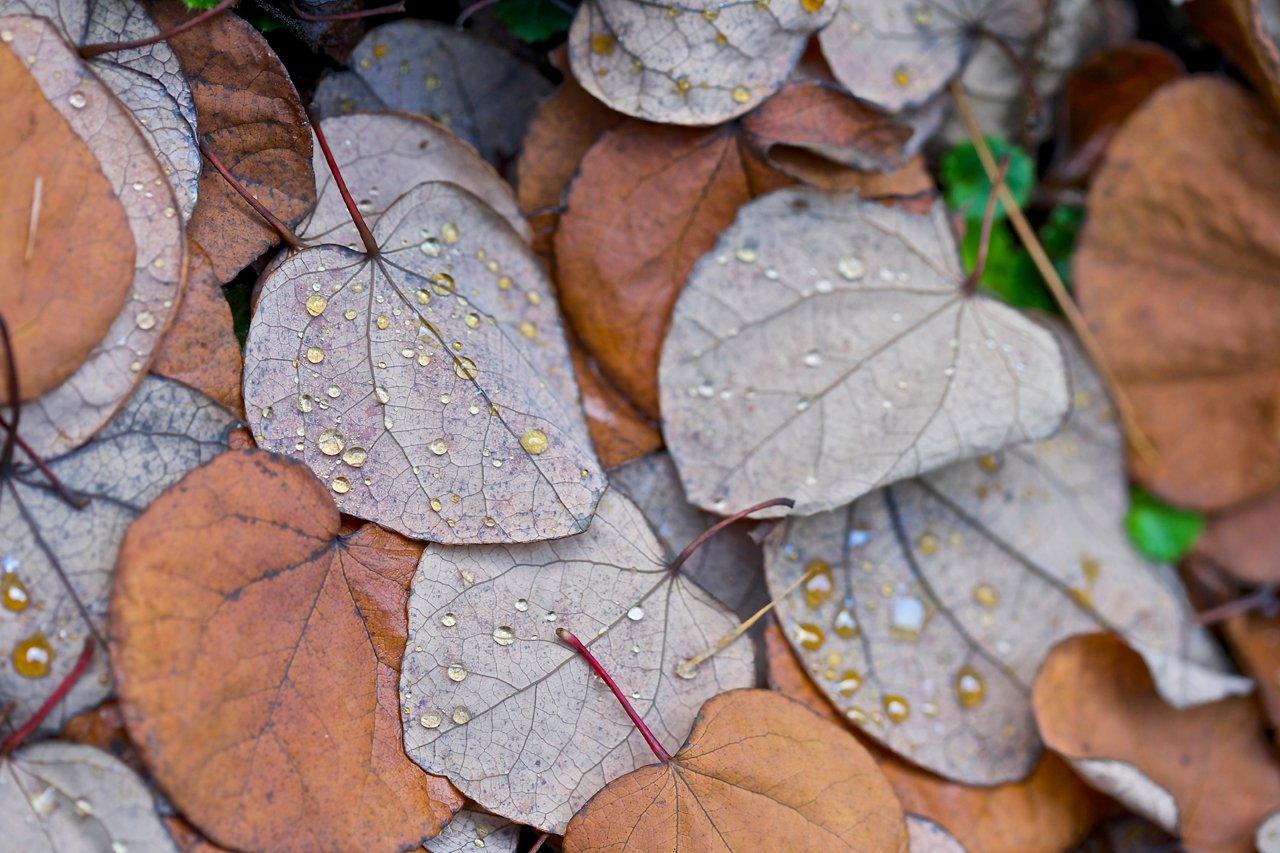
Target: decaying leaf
{"points": [[429, 385], [103, 727], [470, 829], [478, 90], [65, 416], [63, 797], [934, 600], [67, 258], [826, 347], [1205, 773], [514, 717], [1245, 540], [619, 430], [256, 652], [900, 55], [164, 431], [758, 772], [249, 113], [692, 63], [1255, 640], [148, 80], [1246, 32], [1174, 273]]}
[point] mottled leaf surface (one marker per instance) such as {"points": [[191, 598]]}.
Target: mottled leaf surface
{"points": [[428, 386], [825, 347], [692, 63], [471, 829], [513, 716], [162, 433]]}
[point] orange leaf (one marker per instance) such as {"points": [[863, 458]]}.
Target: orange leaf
{"points": [[1245, 539]]}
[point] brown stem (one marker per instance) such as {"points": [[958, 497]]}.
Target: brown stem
{"points": [[1020, 67], [89, 51], [67, 495], [365, 234], [15, 740], [567, 636], [721, 525], [537, 845], [984, 239], [1260, 599], [286, 234], [346, 16]]}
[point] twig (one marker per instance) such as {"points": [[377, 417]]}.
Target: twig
{"points": [[346, 16], [721, 525], [984, 239], [286, 234], [89, 51]]}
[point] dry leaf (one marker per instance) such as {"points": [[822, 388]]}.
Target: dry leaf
{"points": [[148, 81], [257, 651], [514, 717], [1245, 30], [65, 416], [1255, 639], [200, 349], [1174, 272], [900, 55], [825, 347], [696, 64], [619, 430], [429, 385], [67, 259], [1245, 540], [65, 797], [925, 836], [103, 728], [1050, 810], [478, 90], [758, 772], [164, 431], [1207, 773], [470, 829], [935, 599], [188, 839], [249, 113]]}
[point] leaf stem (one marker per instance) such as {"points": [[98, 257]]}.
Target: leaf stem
{"points": [[286, 234], [1019, 65], [984, 239], [721, 525], [89, 51], [366, 236], [479, 5], [20, 734], [1137, 438], [568, 637], [1263, 598], [389, 9], [537, 845]]}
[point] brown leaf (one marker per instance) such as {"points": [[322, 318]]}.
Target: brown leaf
{"points": [[934, 600], [188, 839], [481, 92], [65, 416], [257, 654], [1245, 540], [103, 728], [164, 431], [1174, 274], [67, 259], [900, 55], [1207, 772], [200, 349], [618, 429], [1245, 30], [428, 385], [758, 772], [826, 346], [1255, 639], [1050, 810], [512, 716], [249, 113], [58, 797]]}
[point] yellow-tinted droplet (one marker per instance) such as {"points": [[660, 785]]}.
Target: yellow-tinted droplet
{"points": [[432, 720], [819, 586], [812, 5], [928, 544], [741, 94], [355, 456], [145, 320], [33, 657], [449, 619], [683, 85], [503, 635], [896, 709], [435, 504], [383, 321], [528, 329], [465, 367], [439, 447], [856, 716], [443, 283], [341, 485], [986, 595], [14, 593], [315, 355], [902, 75], [673, 11], [711, 13], [457, 672], [849, 683], [969, 687], [305, 403], [449, 232], [1091, 568], [809, 636], [845, 624], [746, 254], [721, 38], [423, 295], [534, 441], [923, 16], [461, 715], [990, 463], [331, 442], [379, 50], [316, 304], [603, 43], [472, 320]]}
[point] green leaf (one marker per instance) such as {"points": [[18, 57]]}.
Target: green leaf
{"points": [[533, 20], [1010, 274], [1058, 236], [195, 5], [1161, 532], [965, 184]]}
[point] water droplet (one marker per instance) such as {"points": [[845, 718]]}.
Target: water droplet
{"points": [[534, 441], [331, 442], [857, 716], [439, 447], [812, 358], [812, 5], [522, 605], [14, 592], [991, 463], [44, 802], [315, 355], [635, 614], [741, 94], [430, 247], [443, 284], [683, 85], [472, 320], [145, 320], [688, 673], [551, 616], [461, 715], [305, 403], [809, 636], [986, 595], [969, 687], [923, 16], [465, 367], [316, 304], [856, 537], [818, 588], [436, 505], [906, 617], [851, 268], [449, 620], [746, 254], [503, 635], [431, 720], [456, 672], [33, 657], [355, 456], [450, 233], [849, 683], [902, 75], [896, 708], [823, 285], [845, 624], [341, 485], [83, 807], [528, 329], [382, 395], [928, 544]]}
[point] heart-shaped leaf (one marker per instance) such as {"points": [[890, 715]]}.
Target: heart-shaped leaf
{"points": [[826, 346], [512, 716], [429, 384]]}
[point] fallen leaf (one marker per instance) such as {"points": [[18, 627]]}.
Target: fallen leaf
{"points": [[1245, 30], [428, 385], [758, 772], [1050, 810], [200, 349], [900, 55], [1255, 639], [256, 651], [619, 431], [925, 836], [934, 600], [188, 839], [66, 416], [103, 728], [163, 431], [62, 220], [470, 829], [1206, 773], [1245, 540], [478, 90], [67, 797], [512, 716], [691, 66], [1161, 532], [148, 81], [248, 112], [826, 347], [1173, 274]]}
